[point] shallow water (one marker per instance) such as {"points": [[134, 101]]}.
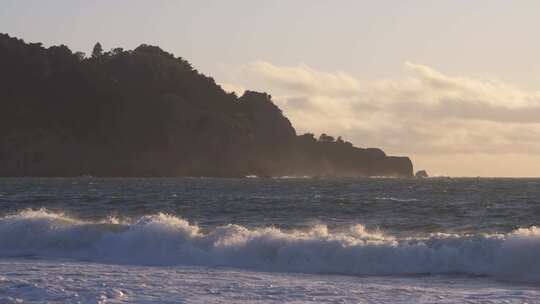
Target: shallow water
{"points": [[270, 240], [53, 281]]}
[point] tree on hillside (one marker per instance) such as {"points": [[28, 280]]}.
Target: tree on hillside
{"points": [[97, 51], [326, 138]]}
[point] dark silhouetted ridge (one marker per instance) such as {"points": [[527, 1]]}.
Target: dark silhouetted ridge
{"points": [[146, 112]]}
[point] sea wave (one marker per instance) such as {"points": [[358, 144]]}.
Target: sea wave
{"points": [[163, 239]]}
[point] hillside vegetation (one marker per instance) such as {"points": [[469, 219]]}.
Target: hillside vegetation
{"points": [[145, 112]]}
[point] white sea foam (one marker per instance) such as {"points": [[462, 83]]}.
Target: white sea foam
{"points": [[396, 199], [38, 281], [163, 239]]}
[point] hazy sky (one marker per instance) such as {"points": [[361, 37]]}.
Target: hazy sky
{"points": [[455, 85]]}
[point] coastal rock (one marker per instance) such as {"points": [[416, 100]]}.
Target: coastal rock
{"points": [[421, 174]]}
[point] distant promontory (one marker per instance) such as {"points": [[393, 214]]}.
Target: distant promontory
{"points": [[145, 112]]}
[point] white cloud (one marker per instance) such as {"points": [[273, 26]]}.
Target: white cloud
{"points": [[303, 79], [426, 113]]}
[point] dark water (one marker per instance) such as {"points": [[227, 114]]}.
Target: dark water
{"points": [[396, 206]]}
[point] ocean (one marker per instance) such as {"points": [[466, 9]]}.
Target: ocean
{"points": [[264, 240]]}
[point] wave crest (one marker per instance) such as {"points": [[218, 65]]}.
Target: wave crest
{"points": [[164, 239]]}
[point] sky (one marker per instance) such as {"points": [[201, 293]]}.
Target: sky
{"points": [[455, 85]]}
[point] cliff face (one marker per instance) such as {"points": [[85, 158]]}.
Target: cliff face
{"points": [[147, 113]]}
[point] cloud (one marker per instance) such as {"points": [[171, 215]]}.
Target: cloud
{"points": [[303, 79], [426, 112]]}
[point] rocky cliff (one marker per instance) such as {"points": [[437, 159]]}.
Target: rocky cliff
{"points": [[146, 112]]}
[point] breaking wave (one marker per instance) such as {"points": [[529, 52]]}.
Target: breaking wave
{"points": [[163, 239]]}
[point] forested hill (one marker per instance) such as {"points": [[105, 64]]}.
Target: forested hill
{"points": [[145, 112]]}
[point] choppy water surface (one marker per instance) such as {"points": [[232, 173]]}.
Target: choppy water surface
{"points": [[396, 206], [388, 237]]}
